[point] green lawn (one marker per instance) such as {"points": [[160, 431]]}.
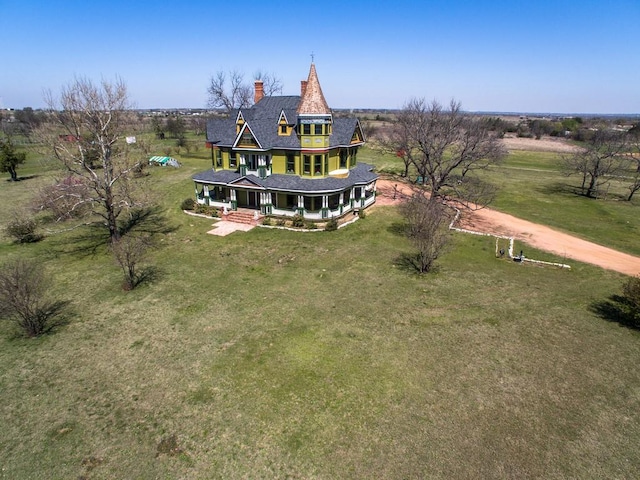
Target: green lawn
{"points": [[275, 354]]}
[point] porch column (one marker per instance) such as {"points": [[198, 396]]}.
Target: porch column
{"points": [[266, 206], [300, 204], [234, 199], [243, 165], [325, 206]]}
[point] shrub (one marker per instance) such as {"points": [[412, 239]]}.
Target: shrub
{"points": [[23, 229], [631, 292], [362, 214], [297, 221], [309, 225], [281, 222], [206, 210], [188, 204], [331, 225], [266, 221]]}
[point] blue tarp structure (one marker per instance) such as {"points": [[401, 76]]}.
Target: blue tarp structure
{"points": [[164, 161]]}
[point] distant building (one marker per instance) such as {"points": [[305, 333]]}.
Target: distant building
{"points": [[287, 155]]}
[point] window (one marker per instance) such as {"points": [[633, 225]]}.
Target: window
{"points": [[233, 161], [343, 158], [318, 129], [283, 129], [307, 165], [291, 163], [317, 165], [247, 138], [292, 201], [218, 158], [326, 165], [306, 129]]}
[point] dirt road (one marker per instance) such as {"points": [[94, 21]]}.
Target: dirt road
{"points": [[538, 236]]}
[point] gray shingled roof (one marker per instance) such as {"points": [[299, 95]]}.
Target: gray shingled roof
{"points": [[361, 174], [263, 118]]}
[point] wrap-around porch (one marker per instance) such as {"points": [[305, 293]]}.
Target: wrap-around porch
{"points": [[314, 206]]}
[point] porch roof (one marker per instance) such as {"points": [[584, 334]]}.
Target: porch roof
{"points": [[361, 174]]}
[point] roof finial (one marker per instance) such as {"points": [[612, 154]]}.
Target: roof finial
{"points": [[313, 55]]}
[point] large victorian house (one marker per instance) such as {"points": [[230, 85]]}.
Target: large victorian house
{"points": [[287, 155]]}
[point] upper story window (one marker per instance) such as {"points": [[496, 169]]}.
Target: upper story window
{"points": [[318, 129], [306, 129], [218, 158], [233, 161], [283, 129], [306, 164], [291, 163]]}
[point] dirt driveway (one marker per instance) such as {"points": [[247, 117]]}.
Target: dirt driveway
{"points": [[538, 236]]}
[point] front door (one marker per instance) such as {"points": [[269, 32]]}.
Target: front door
{"points": [[253, 200]]}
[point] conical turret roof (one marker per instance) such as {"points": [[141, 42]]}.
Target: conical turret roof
{"points": [[313, 102]]}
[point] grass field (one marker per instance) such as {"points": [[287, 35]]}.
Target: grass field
{"points": [[275, 354]]}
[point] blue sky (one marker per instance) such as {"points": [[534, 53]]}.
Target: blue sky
{"points": [[571, 56]]}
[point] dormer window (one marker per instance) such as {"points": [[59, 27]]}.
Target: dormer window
{"points": [[283, 129]]}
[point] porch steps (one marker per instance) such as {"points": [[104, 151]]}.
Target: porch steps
{"points": [[240, 216]]}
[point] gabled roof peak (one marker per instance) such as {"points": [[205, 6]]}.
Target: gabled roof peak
{"points": [[313, 101]]}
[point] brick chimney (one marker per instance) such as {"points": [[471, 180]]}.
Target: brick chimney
{"points": [[303, 87], [259, 91]]}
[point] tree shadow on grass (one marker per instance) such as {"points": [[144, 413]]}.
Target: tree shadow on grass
{"points": [[616, 309], [148, 275], [93, 238], [149, 221], [87, 240], [410, 263], [398, 229], [559, 188], [21, 178]]}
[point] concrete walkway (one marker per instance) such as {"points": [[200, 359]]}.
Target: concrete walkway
{"points": [[223, 228]]}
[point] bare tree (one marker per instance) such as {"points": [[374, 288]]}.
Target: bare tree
{"points": [[635, 162], [129, 251], [86, 134], [426, 228], [23, 297], [445, 146], [231, 95], [601, 158], [270, 83], [230, 92]]}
